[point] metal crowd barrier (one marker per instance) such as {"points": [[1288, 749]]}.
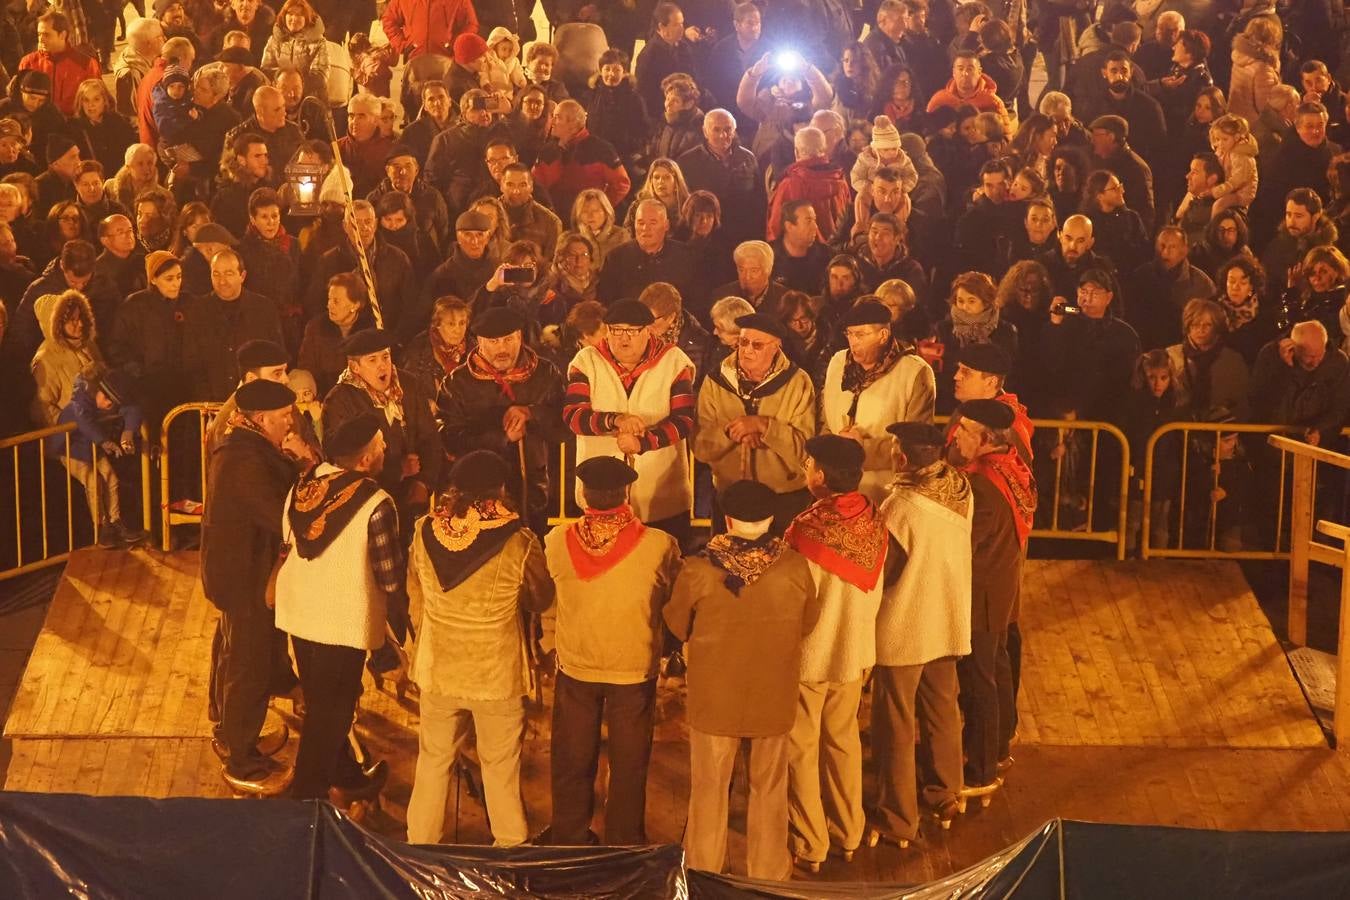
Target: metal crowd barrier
{"points": [[27, 453], [169, 516], [1206, 453]]}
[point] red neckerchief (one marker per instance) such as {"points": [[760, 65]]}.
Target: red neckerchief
{"points": [[483, 370], [844, 536], [601, 539], [448, 357], [1012, 476], [282, 241], [1021, 426], [650, 357]]}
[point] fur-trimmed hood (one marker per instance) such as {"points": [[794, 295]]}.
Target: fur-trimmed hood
{"points": [[51, 310]]}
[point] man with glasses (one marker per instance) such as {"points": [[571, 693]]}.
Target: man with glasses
{"points": [[1087, 351], [632, 397], [874, 382], [755, 411], [122, 261], [402, 172], [469, 267]]}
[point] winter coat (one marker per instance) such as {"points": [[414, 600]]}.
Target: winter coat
{"points": [[128, 69], [818, 181], [321, 348], [587, 161], [735, 182], [107, 141], [1226, 387], [147, 345], [1285, 250], [657, 60], [1256, 71], [305, 51], [985, 98], [672, 139], [57, 362], [500, 74], [618, 115], [92, 425], [67, 69], [173, 118], [1089, 362], [215, 330], [1291, 395], [415, 27], [395, 285], [1240, 176], [1155, 298]]}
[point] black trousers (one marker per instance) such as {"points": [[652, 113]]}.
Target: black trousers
{"points": [[1009, 721], [986, 698], [281, 676], [331, 678], [244, 678], [578, 709]]}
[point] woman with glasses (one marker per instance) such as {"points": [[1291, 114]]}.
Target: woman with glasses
{"points": [[576, 271], [65, 222], [528, 122]]}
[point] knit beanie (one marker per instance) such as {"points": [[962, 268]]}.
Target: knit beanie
{"points": [[885, 136], [468, 47], [58, 145]]}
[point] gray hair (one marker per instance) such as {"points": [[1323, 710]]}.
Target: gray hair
{"points": [[730, 308], [754, 248], [134, 150], [371, 103], [211, 76], [1056, 105], [1310, 328], [1283, 97], [143, 30], [809, 142]]}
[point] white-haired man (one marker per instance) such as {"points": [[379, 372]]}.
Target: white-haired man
{"points": [[722, 165], [365, 147], [145, 38], [812, 177]]}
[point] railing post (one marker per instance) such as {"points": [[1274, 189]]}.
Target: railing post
{"points": [[1340, 723], [1300, 534]]}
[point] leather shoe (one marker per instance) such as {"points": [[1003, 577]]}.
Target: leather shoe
{"points": [[270, 743], [266, 779]]}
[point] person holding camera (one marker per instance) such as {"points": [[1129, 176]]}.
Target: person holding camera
{"points": [[1087, 350]]}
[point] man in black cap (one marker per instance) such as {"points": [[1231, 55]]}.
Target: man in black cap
{"points": [[981, 375], [471, 571], [370, 383], [469, 266], [755, 411], [744, 605], [845, 543], [632, 397], [57, 182], [923, 626], [403, 172], [342, 570], [875, 382], [1113, 150], [241, 541], [1005, 504], [507, 399], [266, 360], [217, 324], [613, 575]]}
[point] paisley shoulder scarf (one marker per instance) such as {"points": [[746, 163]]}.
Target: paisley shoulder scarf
{"points": [[941, 482], [742, 561], [844, 536], [1013, 478], [389, 403], [458, 546], [323, 505], [601, 539]]}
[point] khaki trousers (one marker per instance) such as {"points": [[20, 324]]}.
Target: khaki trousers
{"points": [[712, 758], [825, 769], [445, 730], [100, 482], [906, 699]]}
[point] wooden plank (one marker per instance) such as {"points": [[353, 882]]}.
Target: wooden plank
{"points": [[1300, 533]]}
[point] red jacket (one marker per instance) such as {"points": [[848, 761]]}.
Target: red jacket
{"points": [[984, 99], [66, 69], [145, 120], [817, 180], [586, 162], [427, 26]]}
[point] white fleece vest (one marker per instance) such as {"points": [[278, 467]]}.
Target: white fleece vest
{"points": [[662, 489], [333, 598]]}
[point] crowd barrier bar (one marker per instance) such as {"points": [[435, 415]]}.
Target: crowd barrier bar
{"points": [[170, 517], [15, 446]]}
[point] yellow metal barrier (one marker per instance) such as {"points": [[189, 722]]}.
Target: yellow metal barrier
{"points": [[169, 517], [1288, 504], [35, 439]]}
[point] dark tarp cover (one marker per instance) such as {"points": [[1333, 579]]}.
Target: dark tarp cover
{"points": [[113, 847]]}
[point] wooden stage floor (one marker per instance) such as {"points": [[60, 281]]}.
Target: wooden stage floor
{"points": [[1152, 693]]}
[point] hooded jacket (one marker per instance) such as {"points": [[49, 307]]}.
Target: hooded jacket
{"points": [[57, 361], [500, 74], [1256, 72], [985, 98], [305, 51], [415, 27], [92, 425]]}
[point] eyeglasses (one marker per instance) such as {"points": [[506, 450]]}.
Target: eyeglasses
{"points": [[753, 345], [69, 217], [577, 256], [623, 331], [1087, 290]]}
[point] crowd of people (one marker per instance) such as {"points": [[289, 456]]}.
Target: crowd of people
{"points": [[760, 257]]}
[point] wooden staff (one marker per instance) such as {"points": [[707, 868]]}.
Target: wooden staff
{"points": [[747, 462], [349, 219], [525, 618]]}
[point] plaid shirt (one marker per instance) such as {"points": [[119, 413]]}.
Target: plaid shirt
{"points": [[386, 551]]}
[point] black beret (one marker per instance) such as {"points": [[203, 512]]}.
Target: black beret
{"points": [[867, 312], [497, 322], [628, 312], [834, 452], [478, 472], [366, 341], [261, 395], [352, 436], [989, 413], [399, 150], [606, 473], [58, 145], [764, 323], [257, 354], [917, 434], [237, 55], [747, 501], [472, 220], [988, 358]]}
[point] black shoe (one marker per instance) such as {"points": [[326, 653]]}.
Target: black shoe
{"points": [[270, 743], [260, 776], [130, 535], [376, 777]]}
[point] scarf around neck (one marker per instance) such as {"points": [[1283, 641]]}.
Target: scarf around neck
{"points": [[976, 328], [856, 379], [742, 560], [1238, 314], [324, 505], [458, 546], [940, 482], [521, 372], [844, 536], [390, 403], [447, 357], [601, 539], [1012, 476]]}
